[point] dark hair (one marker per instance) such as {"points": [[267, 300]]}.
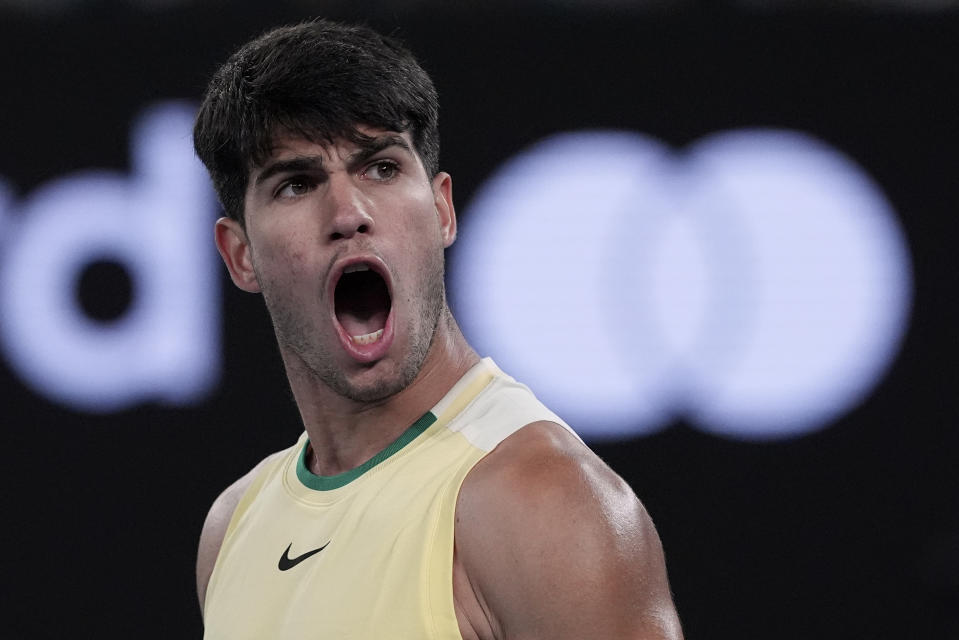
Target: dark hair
{"points": [[318, 80]]}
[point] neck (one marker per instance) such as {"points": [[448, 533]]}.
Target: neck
{"points": [[345, 433]]}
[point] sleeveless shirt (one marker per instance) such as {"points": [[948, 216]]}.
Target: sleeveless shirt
{"points": [[367, 553]]}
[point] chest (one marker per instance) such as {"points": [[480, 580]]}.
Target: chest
{"points": [[376, 563]]}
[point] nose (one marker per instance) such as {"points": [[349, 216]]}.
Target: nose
{"points": [[350, 210]]}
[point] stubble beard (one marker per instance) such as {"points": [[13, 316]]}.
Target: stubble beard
{"points": [[297, 336]]}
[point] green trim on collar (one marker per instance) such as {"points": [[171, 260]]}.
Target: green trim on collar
{"points": [[328, 483]]}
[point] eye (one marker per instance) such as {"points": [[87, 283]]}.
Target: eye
{"points": [[382, 170], [294, 188]]}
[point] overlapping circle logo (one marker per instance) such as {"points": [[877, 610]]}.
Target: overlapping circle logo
{"points": [[757, 285]]}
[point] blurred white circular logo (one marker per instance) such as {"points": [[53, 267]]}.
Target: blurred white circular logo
{"points": [[757, 285]]}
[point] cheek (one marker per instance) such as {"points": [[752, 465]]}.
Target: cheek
{"points": [[422, 226], [281, 265]]}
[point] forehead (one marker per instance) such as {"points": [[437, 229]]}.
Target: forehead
{"points": [[361, 139]]}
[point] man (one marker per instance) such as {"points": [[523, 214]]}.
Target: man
{"points": [[430, 496]]}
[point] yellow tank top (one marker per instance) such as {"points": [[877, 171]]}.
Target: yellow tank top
{"points": [[367, 553]]}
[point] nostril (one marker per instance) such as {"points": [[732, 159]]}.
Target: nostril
{"points": [[336, 235], [362, 228]]}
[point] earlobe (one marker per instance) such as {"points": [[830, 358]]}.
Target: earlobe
{"points": [[443, 199], [234, 248]]}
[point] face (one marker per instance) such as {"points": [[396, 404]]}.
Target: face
{"points": [[345, 241]]}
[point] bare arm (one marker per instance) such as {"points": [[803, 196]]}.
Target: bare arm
{"points": [[555, 545], [215, 526]]}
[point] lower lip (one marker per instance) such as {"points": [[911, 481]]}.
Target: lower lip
{"points": [[367, 353]]}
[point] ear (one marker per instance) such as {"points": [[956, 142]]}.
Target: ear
{"points": [[234, 248], [443, 199]]}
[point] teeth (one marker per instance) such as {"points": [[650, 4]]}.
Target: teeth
{"points": [[356, 267], [369, 338]]}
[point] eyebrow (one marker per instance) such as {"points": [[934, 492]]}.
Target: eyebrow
{"points": [[290, 165], [368, 147]]}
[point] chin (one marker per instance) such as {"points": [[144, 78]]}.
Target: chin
{"points": [[375, 383]]}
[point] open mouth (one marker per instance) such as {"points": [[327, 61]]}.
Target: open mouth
{"points": [[362, 303]]}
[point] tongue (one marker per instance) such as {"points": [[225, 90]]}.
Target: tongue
{"points": [[360, 324]]}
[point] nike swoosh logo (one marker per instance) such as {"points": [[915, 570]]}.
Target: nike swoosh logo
{"points": [[286, 562]]}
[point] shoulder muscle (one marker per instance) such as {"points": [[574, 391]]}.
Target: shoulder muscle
{"points": [[216, 523], [555, 544]]}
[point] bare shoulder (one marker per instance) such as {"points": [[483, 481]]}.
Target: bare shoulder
{"points": [[554, 544], [216, 523]]}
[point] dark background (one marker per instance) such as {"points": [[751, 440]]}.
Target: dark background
{"points": [[850, 532]]}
